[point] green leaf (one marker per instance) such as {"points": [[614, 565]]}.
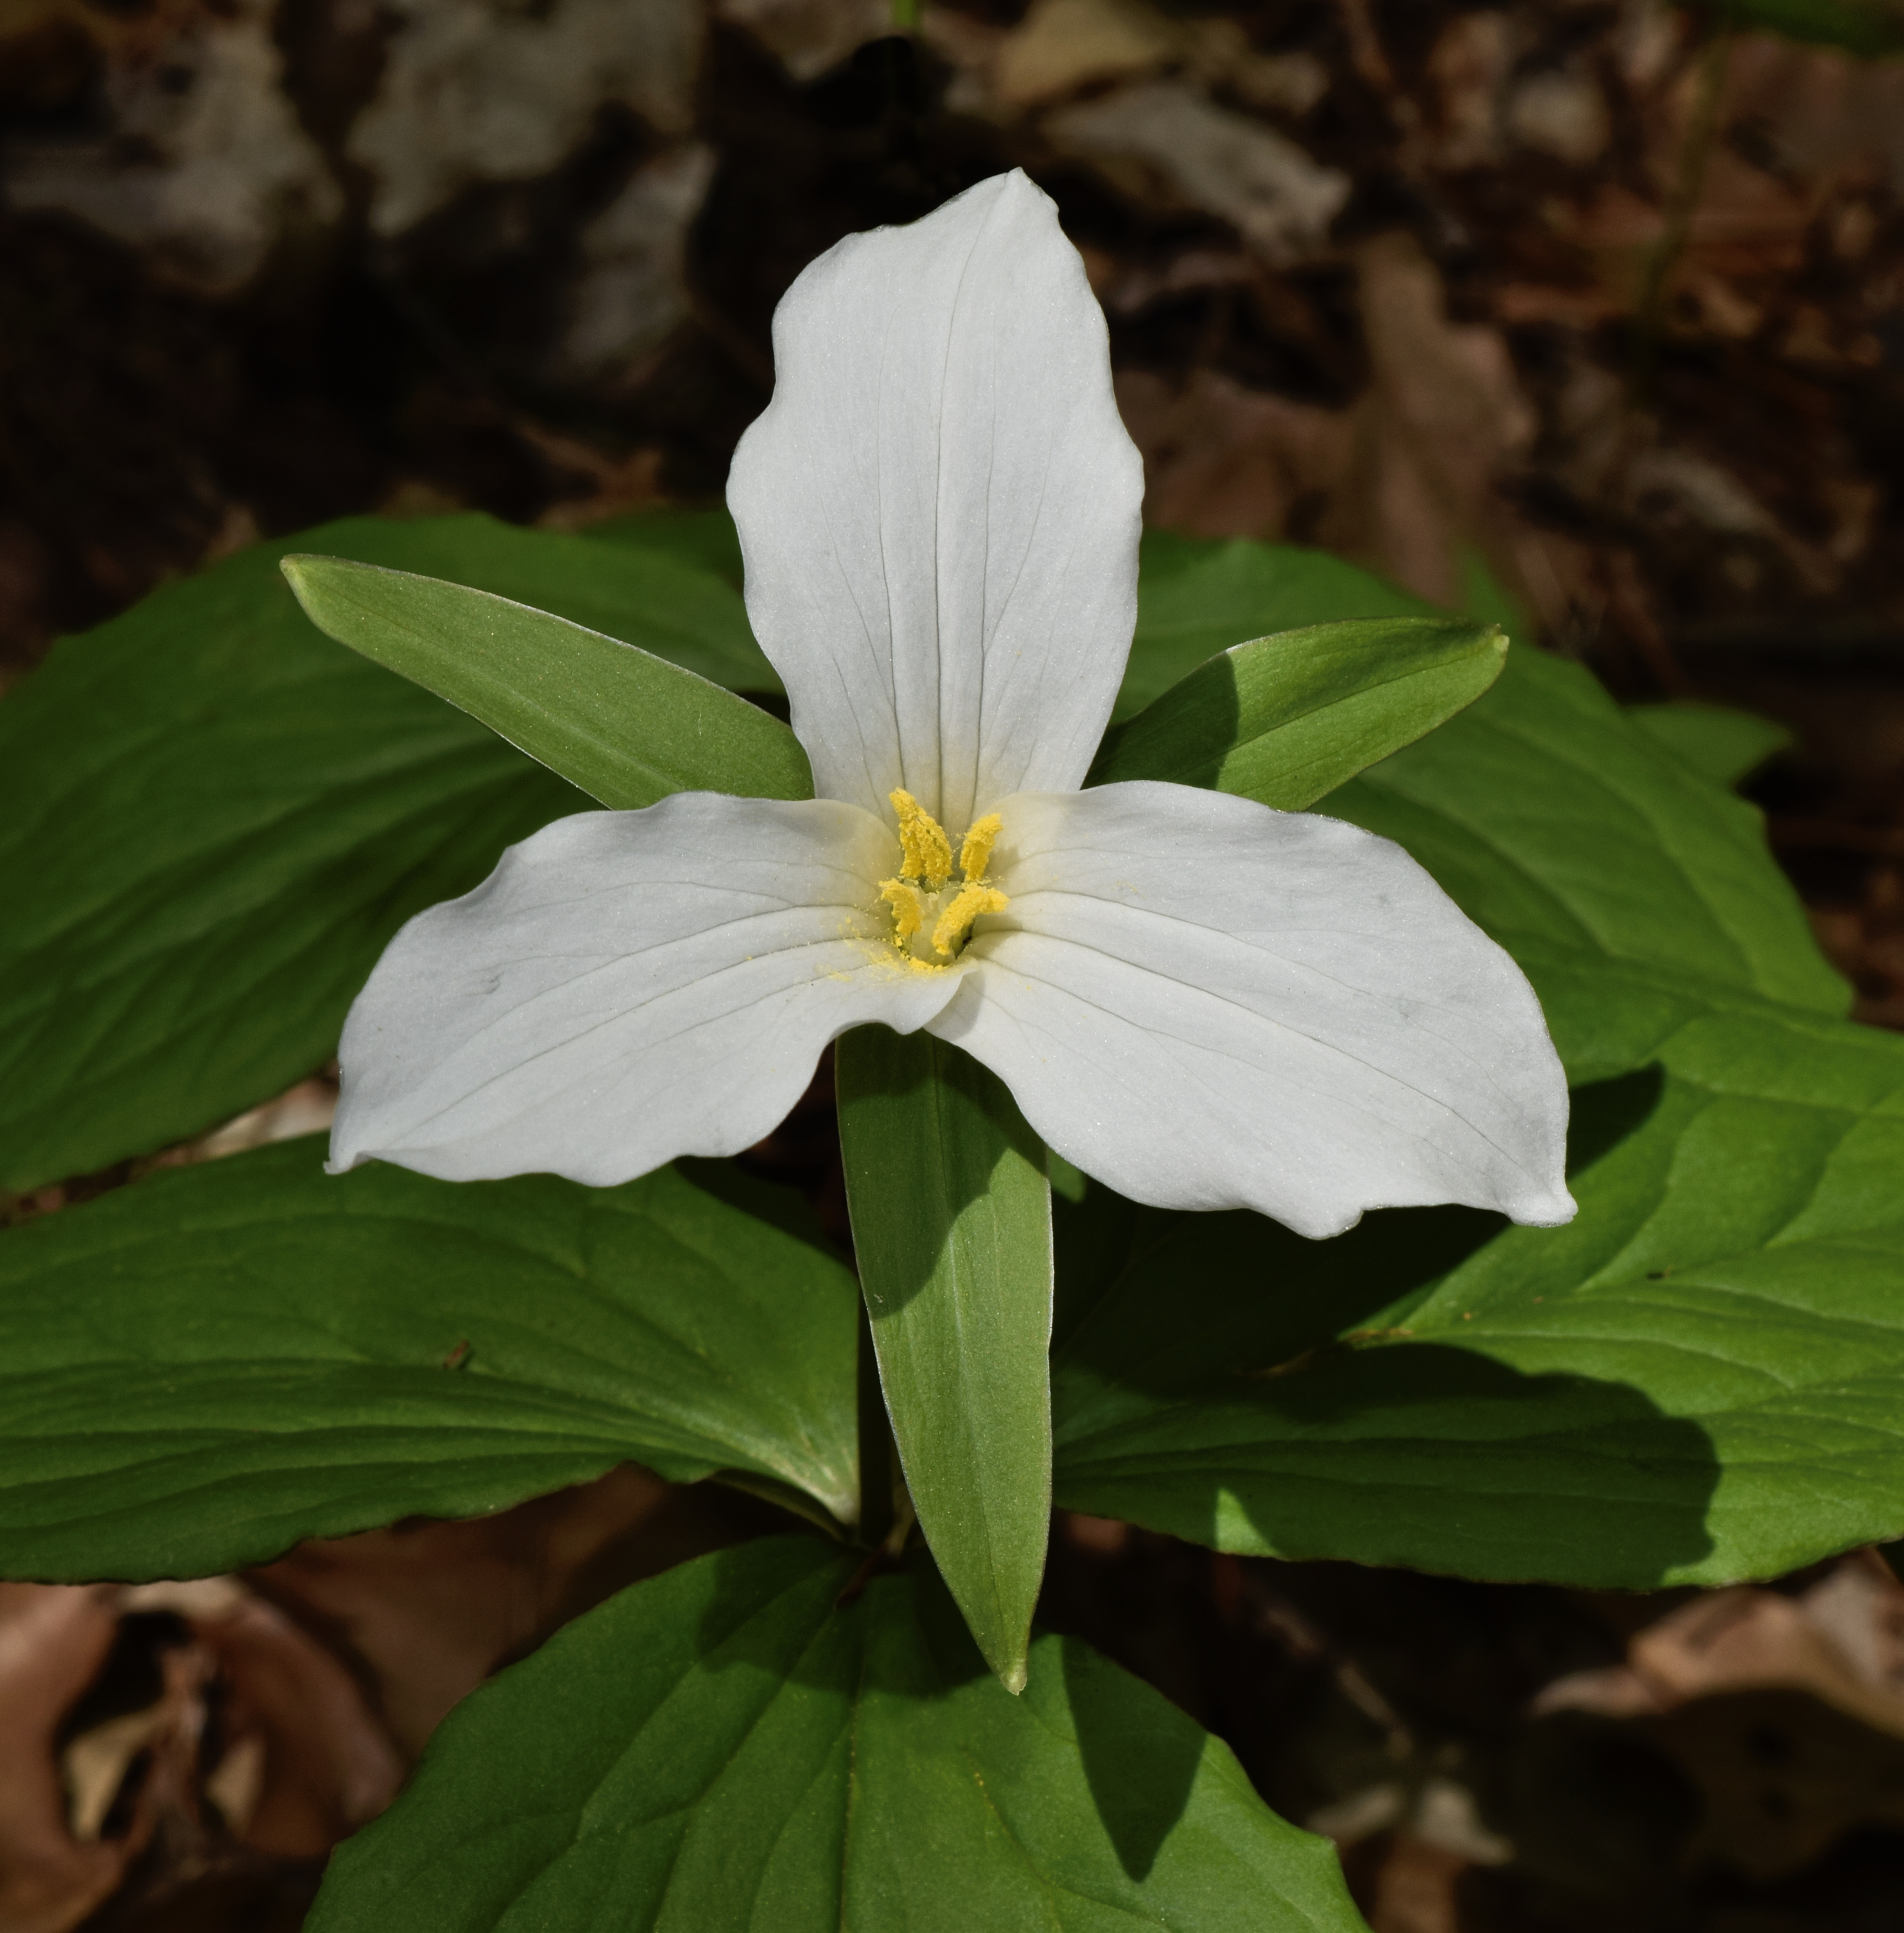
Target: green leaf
{"points": [[201, 1369], [1286, 718], [1485, 599], [668, 591], [1700, 1379], [1197, 596], [952, 1227], [212, 818], [706, 539], [1718, 744], [625, 726], [1633, 891], [722, 1749]]}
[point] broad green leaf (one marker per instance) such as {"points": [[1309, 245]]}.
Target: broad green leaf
{"points": [[1632, 891], [1485, 599], [201, 1369], [706, 539], [727, 1748], [1720, 743], [1197, 596], [212, 818], [1286, 718], [1700, 1379], [951, 1228], [625, 726]]}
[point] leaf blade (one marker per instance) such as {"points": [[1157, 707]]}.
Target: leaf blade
{"points": [[1720, 744], [212, 818], [1565, 831], [623, 725], [721, 1747], [951, 1226], [1196, 596], [1289, 717], [203, 1367], [1646, 1397]]}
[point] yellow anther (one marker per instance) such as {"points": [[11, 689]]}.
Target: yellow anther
{"points": [[908, 907], [929, 916], [928, 851], [975, 854], [956, 921]]}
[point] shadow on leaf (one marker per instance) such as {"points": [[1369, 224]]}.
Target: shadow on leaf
{"points": [[916, 1111], [1220, 1377], [915, 1692]]}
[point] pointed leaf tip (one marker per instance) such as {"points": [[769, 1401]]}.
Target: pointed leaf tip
{"points": [[624, 725], [951, 1222], [1285, 718]]}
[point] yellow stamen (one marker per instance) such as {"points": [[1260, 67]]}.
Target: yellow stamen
{"points": [[928, 851], [972, 899], [975, 854], [929, 916], [908, 907]]}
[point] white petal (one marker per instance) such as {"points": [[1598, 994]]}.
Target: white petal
{"points": [[938, 510], [1209, 1004], [627, 987]]}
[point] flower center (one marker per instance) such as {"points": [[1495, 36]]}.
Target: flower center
{"points": [[932, 915]]}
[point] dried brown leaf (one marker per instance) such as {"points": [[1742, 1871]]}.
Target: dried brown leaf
{"points": [[426, 1611], [53, 1639]]}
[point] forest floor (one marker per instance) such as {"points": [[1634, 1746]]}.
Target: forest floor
{"points": [[1584, 291]]}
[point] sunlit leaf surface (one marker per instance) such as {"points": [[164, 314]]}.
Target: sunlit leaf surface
{"points": [[198, 1370], [727, 1747]]}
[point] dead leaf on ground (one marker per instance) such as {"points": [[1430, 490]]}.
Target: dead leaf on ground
{"points": [[204, 164], [1841, 1639], [427, 1610], [303, 1763], [1062, 45], [1223, 461], [53, 1639], [1821, 109], [1165, 141], [1785, 1710], [483, 91], [808, 37], [209, 1735], [1783, 1778], [1414, 1888], [633, 294], [1407, 479], [1442, 418]]}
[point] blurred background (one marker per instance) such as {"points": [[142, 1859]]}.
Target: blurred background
{"points": [[1597, 301]]}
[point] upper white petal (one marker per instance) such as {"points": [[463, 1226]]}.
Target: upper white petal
{"points": [[1207, 1004], [627, 987], [938, 510]]}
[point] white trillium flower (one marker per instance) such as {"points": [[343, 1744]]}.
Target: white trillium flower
{"points": [[1204, 1002]]}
